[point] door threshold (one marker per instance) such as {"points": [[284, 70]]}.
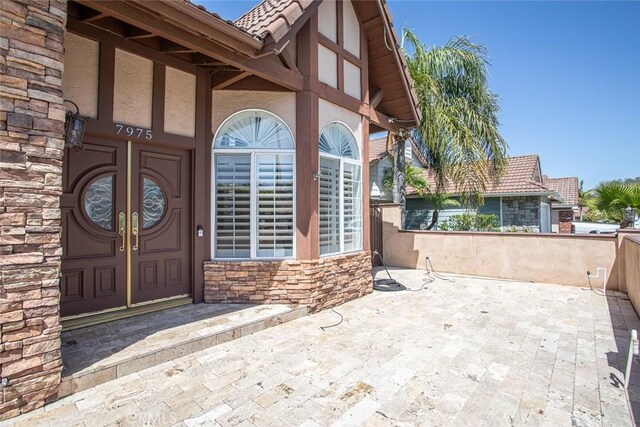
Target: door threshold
{"points": [[82, 321]]}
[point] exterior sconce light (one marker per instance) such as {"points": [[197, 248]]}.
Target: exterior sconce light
{"points": [[74, 125], [316, 175], [629, 216]]}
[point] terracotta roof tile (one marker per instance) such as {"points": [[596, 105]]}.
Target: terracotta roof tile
{"points": [[272, 17], [518, 178], [567, 187], [377, 148]]}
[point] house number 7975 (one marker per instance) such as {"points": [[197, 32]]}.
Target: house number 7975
{"points": [[133, 131]]}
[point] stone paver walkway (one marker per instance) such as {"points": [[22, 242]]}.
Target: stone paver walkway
{"points": [[472, 352]]}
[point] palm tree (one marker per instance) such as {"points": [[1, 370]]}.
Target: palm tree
{"points": [[459, 125], [611, 198], [415, 179], [439, 201], [584, 197]]}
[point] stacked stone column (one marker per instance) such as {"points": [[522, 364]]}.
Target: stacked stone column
{"points": [[31, 149]]}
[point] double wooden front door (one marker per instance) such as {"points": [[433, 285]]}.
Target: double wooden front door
{"points": [[126, 221]]}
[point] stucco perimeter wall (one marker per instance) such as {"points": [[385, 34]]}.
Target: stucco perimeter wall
{"points": [[546, 258], [31, 150], [629, 266], [318, 284]]}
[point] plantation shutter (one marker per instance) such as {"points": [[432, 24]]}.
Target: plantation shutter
{"points": [[329, 206], [275, 231], [233, 206], [352, 207]]}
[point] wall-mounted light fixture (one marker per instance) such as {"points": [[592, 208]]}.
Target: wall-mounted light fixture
{"points": [[74, 125], [316, 175]]}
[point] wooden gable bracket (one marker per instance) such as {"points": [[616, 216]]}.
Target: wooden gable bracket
{"points": [[376, 98], [224, 79]]}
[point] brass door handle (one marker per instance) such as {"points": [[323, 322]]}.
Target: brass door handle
{"points": [[122, 229], [135, 229]]}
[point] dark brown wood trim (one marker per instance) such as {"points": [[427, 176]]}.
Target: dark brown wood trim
{"points": [[383, 121], [140, 17], [338, 97], [159, 86], [307, 161], [201, 183], [329, 44], [376, 98], [106, 81], [340, 21], [307, 135], [104, 36], [308, 52], [225, 81], [366, 220], [288, 60]]}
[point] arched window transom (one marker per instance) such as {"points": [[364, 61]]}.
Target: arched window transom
{"points": [[337, 139], [254, 129]]}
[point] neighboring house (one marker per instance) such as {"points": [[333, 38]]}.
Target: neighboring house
{"points": [[563, 214], [520, 200], [381, 162], [222, 162]]}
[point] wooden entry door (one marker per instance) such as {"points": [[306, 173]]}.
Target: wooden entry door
{"points": [[161, 223], [126, 221]]}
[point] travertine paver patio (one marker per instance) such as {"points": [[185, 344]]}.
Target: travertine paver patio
{"points": [[465, 353]]}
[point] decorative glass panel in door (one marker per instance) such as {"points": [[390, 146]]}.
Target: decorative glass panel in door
{"points": [[153, 203], [98, 202]]}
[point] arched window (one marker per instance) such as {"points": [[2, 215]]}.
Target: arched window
{"points": [[254, 162], [340, 191]]}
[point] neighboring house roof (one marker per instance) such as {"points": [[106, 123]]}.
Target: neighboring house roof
{"points": [[519, 178], [378, 150], [567, 187]]}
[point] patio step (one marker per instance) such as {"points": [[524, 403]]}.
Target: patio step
{"points": [[101, 353]]}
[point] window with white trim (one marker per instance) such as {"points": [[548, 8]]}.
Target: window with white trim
{"points": [[340, 191], [254, 161]]}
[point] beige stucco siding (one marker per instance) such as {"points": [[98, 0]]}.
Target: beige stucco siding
{"points": [[133, 90], [225, 103], [327, 66], [352, 77], [329, 112], [351, 29], [327, 20], [180, 103], [81, 70]]}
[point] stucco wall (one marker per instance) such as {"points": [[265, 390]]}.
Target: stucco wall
{"points": [[352, 85], [351, 29], [180, 103], [81, 70], [133, 89], [327, 23], [327, 66], [228, 102], [629, 265], [546, 258]]}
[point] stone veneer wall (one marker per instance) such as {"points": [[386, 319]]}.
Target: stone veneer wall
{"points": [[318, 284], [521, 213], [565, 221], [31, 149]]}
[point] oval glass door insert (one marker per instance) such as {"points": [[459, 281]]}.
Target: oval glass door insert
{"points": [[98, 202], [153, 203]]}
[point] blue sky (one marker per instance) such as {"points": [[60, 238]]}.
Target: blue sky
{"points": [[567, 73]]}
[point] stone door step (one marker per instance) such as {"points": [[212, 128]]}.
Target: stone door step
{"points": [[101, 353]]}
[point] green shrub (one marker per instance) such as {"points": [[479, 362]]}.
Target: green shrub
{"points": [[470, 222]]}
